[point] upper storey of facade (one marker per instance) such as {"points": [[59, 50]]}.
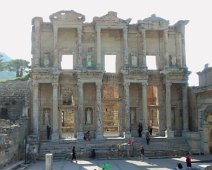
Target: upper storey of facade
{"points": [[89, 44]]}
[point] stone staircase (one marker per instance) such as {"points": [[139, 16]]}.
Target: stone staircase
{"points": [[114, 148]]}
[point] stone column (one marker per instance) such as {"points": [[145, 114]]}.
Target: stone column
{"points": [[55, 129], [178, 49], [36, 41], [79, 52], [183, 48], [185, 107], [99, 57], [169, 132], [127, 110], [80, 111], [143, 33], [125, 35], [166, 55], [144, 105], [99, 124], [36, 112]]}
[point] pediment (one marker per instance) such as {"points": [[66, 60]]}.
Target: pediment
{"points": [[111, 18], [67, 16]]}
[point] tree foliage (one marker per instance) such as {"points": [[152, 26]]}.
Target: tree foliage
{"points": [[18, 65], [1, 63]]}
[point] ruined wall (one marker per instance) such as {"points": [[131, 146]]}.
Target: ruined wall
{"points": [[12, 136], [13, 95]]}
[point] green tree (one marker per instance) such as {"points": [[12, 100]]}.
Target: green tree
{"points": [[18, 65], [1, 63]]}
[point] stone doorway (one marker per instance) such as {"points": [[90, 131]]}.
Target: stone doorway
{"points": [[67, 123], [111, 119]]}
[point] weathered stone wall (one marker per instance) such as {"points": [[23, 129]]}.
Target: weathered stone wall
{"points": [[12, 134], [205, 76], [13, 95]]}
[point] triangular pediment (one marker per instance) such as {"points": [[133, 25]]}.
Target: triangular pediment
{"points": [[111, 18], [67, 16]]}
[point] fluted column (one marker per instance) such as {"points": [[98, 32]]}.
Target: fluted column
{"points": [[143, 33], [55, 124], [166, 47], [36, 113], [99, 124], [98, 30], [125, 35], [127, 110], [79, 58], [80, 111], [185, 107], [169, 132], [144, 105]]}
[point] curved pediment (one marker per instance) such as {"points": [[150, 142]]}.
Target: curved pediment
{"points": [[154, 23], [67, 16], [111, 19]]}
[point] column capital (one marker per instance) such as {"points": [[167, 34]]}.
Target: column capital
{"points": [[98, 29], [126, 84], [168, 84], [144, 83], [55, 84], [35, 84]]}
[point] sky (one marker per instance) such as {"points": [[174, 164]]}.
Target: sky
{"points": [[16, 17]]}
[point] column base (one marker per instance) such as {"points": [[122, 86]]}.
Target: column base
{"points": [[127, 134], [55, 136], [169, 133], [99, 136], [80, 135]]}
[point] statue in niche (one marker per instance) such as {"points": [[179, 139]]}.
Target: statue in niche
{"points": [[89, 61], [172, 60], [132, 116], [134, 61], [88, 115], [46, 60], [46, 117], [67, 98]]}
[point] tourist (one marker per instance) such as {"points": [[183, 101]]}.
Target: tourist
{"points": [[48, 129], [34, 154], [150, 129], [188, 159], [73, 155], [179, 166], [93, 154], [147, 137], [142, 153], [87, 136], [140, 129]]}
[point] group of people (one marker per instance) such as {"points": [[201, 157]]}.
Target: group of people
{"points": [[148, 133]]}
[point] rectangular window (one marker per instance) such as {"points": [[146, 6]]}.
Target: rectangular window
{"points": [[67, 62], [110, 63], [151, 62]]}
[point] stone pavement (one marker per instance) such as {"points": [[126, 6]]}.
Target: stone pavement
{"points": [[122, 164]]}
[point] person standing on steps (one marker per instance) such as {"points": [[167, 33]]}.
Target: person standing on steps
{"points": [[188, 159], [147, 137], [140, 129], [142, 153], [73, 155]]}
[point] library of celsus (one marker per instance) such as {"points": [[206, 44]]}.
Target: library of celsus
{"points": [[108, 75]]}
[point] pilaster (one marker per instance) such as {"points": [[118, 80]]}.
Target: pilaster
{"points": [[79, 52], [143, 33], [166, 55], [185, 107], [125, 35]]}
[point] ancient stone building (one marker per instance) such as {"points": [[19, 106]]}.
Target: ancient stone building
{"points": [[87, 96], [203, 110]]}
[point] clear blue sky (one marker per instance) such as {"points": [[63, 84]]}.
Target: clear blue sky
{"points": [[16, 16]]}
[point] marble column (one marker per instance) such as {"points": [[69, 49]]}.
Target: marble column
{"points": [[36, 47], [144, 106], [183, 49], [127, 110], [79, 52], [179, 49], [125, 35], [80, 111], [35, 116], [169, 132], [55, 127], [166, 55], [185, 107], [99, 124], [99, 57], [143, 33]]}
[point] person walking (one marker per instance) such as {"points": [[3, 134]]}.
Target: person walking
{"points": [[73, 155], [147, 137], [48, 129], [188, 159], [142, 153], [140, 129]]}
